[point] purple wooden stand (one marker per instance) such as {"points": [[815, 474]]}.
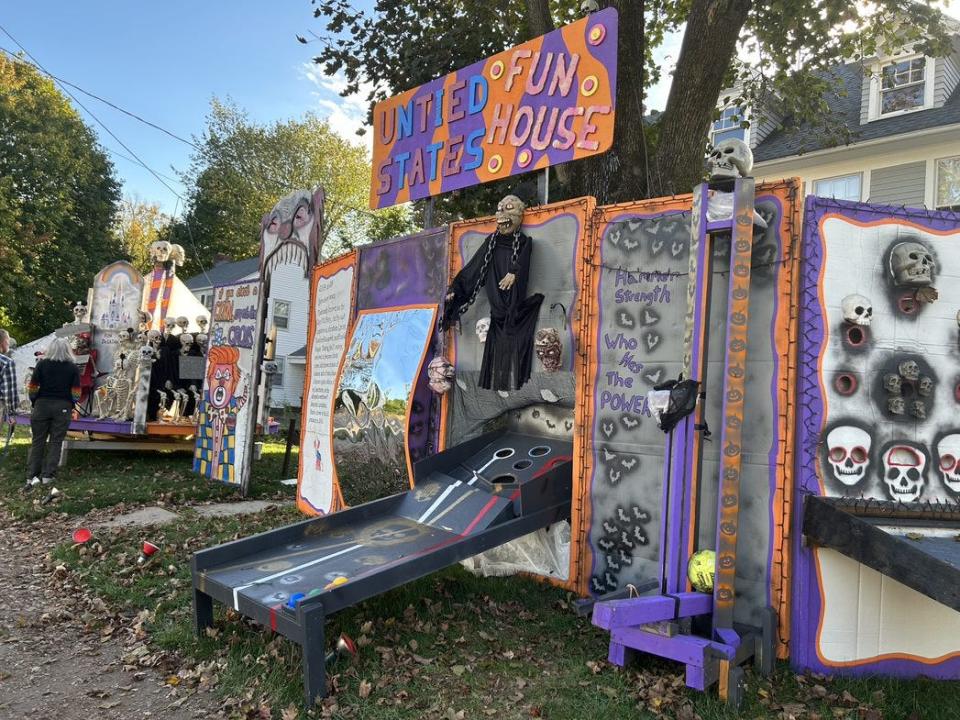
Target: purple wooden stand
{"points": [[652, 624]]}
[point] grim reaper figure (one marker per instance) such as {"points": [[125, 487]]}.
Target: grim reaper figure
{"points": [[502, 265]]}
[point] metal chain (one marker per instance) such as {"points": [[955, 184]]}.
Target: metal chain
{"points": [[480, 277]]}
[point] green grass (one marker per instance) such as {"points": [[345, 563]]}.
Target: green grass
{"points": [[449, 643], [103, 479]]}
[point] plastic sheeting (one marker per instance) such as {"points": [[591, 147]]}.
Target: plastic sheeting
{"points": [[545, 552]]}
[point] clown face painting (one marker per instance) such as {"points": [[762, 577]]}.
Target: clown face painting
{"points": [[224, 397]]}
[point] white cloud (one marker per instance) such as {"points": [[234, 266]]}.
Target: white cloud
{"points": [[345, 114]]}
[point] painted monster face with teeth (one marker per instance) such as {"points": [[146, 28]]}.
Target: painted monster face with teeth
{"points": [[510, 214]]}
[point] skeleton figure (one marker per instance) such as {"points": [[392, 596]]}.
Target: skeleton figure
{"points": [[729, 160], [893, 384], [549, 348], [925, 386], [164, 400], [201, 340], [182, 398], [141, 338], [202, 323], [79, 311], [147, 356], [912, 265], [145, 319], [183, 322], [177, 257], [155, 338], [948, 452], [909, 370], [160, 251], [440, 374], [186, 343], [113, 397], [903, 472], [848, 452], [483, 327], [857, 310], [510, 214], [169, 325]]}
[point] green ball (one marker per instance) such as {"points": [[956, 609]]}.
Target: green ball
{"points": [[700, 570]]}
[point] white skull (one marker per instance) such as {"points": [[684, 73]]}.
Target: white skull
{"points": [[857, 310], [201, 339], [909, 370], [848, 452], [159, 251], [80, 312], [202, 322], [911, 264], [729, 160], [903, 467], [925, 386], [168, 325], [589, 6], [948, 451], [177, 254], [147, 355], [893, 384], [186, 342], [155, 337], [483, 327], [183, 322], [141, 338]]}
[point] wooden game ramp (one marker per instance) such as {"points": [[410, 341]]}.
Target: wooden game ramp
{"points": [[914, 543], [466, 500]]}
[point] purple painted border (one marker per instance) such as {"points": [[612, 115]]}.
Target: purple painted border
{"points": [[806, 599]]}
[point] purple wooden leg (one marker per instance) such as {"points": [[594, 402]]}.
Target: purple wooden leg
{"points": [[617, 654]]}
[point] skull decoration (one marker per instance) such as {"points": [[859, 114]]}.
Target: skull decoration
{"points": [[80, 344], [589, 6], [183, 322], [440, 373], [729, 160], [549, 348], [909, 370], [155, 338], [918, 408], [911, 264], [160, 251], [483, 327], [903, 467], [925, 386], [848, 452], [290, 233], [145, 319], [126, 335], [201, 340], [896, 405], [168, 325], [510, 214], [147, 355], [79, 311], [178, 255], [186, 343], [948, 451], [893, 384], [202, 323], [857, 310], [142, 338]]}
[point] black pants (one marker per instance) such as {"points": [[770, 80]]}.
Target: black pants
{"points": [[49, 423]]}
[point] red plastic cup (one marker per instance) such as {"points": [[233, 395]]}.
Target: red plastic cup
{"points": [[81, 535]]}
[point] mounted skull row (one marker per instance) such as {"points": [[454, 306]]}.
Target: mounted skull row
{"points": [[904, 464]]}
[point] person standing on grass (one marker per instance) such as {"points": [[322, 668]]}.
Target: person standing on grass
{"points": [[54, 388], [9, 400]]}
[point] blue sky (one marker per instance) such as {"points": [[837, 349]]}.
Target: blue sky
{"points": [[165, 60]]}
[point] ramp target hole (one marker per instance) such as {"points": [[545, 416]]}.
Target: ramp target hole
{"points": [[522, 464], [504, 453], [539, 451]]}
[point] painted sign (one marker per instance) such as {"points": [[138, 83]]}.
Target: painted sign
{"points": [[224, 429], [545, 102], [330, 315], [117, 294]]}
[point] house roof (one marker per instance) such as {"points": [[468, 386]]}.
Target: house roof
{"points": [[223, 273], [302, 352], [845, 105]]}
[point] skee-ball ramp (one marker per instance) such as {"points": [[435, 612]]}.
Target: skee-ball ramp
{"points": [[466, 500]]}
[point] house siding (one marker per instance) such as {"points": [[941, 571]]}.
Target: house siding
{"points": [[865, 96], [765, 125], [945, 79], [899, 184], [289, 284]]}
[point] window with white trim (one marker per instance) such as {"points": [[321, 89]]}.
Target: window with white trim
{"points": [[842, 187], [948, 183], [901, 86], [729, 125], [281, 314]]}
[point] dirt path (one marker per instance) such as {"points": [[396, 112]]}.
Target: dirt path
{"points": [[52, 665]]}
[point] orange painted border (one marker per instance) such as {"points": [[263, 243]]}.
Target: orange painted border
{"points": [[826, 337], [413, 388], [327, 270]]}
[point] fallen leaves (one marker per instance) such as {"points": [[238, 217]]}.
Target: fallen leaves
{"points": [[365, 688]]}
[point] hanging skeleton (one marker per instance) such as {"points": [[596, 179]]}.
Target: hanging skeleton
{"points": [[502, 265], [113, 397]]}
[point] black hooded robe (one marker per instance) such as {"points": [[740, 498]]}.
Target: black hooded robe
{"points": [[508, 350]]}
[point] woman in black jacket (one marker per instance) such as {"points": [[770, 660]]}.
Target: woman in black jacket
{"points": [[54, 388]]}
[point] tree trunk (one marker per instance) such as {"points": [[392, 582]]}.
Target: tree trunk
{"points": [[538, 15], [709, 42]]}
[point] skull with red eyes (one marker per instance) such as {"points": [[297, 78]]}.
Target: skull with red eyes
{"points": [[291, 232]]}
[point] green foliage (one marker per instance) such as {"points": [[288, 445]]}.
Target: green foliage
{"points": [[242, 168], [139, 224], [58, 199]]}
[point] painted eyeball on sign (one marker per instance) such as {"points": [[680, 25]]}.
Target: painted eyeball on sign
{"points": [[302, 216]]}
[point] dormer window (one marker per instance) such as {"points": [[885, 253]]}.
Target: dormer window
{"points": [[730, 125], [901, 86]]}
